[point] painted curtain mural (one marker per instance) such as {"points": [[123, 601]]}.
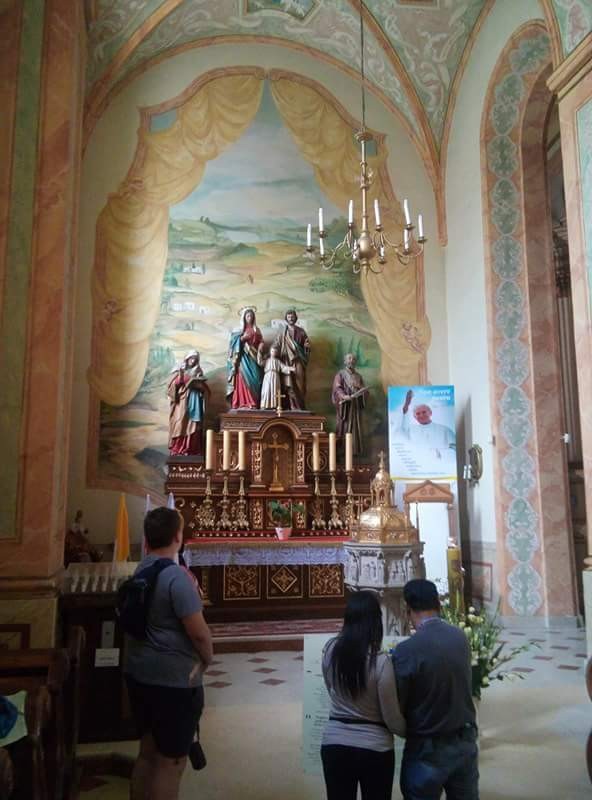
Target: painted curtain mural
{"points": [[237, 238]]}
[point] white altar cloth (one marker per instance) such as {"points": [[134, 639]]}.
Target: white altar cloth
{"points": [[263, 553]]}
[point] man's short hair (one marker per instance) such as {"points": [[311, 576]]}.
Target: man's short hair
{"points": [[421, 595], [161, 526]]}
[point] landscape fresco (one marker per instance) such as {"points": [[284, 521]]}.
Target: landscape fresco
{"points": [[239, 240]]}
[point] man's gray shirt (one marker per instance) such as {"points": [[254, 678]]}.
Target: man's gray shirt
{"points": [[167, 656], [433, 672]]}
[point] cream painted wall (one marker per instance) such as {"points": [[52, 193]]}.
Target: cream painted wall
{"points": [[465, 273], [107, 160]]}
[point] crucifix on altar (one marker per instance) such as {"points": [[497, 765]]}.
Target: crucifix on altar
{"points": [[275, 446]]}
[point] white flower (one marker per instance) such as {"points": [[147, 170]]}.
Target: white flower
{"points": [[474, 662], [485, 681], [461, 624], [471, 610], [467, 631]]}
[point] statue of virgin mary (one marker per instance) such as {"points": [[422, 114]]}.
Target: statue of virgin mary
{"points": [[245, 375]]}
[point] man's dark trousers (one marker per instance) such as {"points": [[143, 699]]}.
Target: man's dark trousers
{"points": [[449, 763]]}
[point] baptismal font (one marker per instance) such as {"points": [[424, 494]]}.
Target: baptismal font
{"points": [[384, 552]]}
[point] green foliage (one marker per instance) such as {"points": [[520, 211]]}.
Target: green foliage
{"points": [[483, 635], [281, 512]]}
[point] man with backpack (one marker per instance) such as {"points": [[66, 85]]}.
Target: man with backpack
{"points": [[169, 646]]}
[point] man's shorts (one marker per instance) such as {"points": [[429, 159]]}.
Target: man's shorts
{"points": [[169, 713]]}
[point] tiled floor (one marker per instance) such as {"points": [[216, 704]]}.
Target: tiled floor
{"points": [[533, 731]]}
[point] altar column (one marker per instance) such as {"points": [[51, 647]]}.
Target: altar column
{"points": [[41, 90]]}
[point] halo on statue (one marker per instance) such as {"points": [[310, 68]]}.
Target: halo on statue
{"points": [[244, 310]]}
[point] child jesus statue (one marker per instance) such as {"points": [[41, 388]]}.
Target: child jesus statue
{"points": [[272, 372]]}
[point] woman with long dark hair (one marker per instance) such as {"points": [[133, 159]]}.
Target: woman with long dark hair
{"points": [[357, 745]]}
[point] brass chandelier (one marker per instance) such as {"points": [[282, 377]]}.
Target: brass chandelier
{"points": [[367, 250]]}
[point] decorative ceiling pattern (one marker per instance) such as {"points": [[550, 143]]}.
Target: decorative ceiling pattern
{"points": [[430, 42], [575, 21], [409, 43]]}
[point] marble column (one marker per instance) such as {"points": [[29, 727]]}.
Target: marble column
{"points": [[41, 85], [572, 82]]}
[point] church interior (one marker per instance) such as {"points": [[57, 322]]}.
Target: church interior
{"points": [[317, 274]]}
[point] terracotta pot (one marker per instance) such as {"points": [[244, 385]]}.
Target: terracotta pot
{"points": [[283, 533]]}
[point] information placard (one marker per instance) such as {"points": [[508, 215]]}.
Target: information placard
{"points": [[315, 702]]}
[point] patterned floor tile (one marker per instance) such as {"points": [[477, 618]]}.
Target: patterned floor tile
{"points": [[265, 669], [257, 660], [567, 666], [525, 670], [217, 685], [215, 672], [542, 641], [559, 647], [299, 658], [272, 682], [543, 658]]}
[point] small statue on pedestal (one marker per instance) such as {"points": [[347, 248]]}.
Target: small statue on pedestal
{"points": [[293, 347], [349, 397], [77, 547], [187, 392]]}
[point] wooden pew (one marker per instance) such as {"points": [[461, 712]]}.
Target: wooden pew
{"points": [[24, 774], [58, 672]]}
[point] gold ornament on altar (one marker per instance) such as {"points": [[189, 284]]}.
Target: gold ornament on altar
{"points": [[383, 522]]}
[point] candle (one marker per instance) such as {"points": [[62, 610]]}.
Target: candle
{"points": [[210, 451], [406, 212], [350, 212], [406, 238], [332, 452], [316, 453], [309, 235], [242, 450], [321, 247], [226, 451], [377, 212], [349, 452], [321, 226], [420, 226]]}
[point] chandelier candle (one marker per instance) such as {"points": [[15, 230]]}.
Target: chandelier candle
{"points": [[225, 451], [332, 452], [316, 453], [210, 452]]}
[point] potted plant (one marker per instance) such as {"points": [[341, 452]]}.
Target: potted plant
{"points": [[281, 512], [487, 652]]}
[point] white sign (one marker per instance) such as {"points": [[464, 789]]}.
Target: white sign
{"points": [[315, 704], [107, 657]]}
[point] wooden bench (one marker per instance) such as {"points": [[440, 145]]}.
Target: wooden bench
{"points": [[56, 672]]}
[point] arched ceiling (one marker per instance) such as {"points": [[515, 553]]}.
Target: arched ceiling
{"points": [[413, 47]]}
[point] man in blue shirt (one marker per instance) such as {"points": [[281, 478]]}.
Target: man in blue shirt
{"points": [[433, 672]]}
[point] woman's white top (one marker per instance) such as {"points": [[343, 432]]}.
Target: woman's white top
{"points": [[378, 703]]}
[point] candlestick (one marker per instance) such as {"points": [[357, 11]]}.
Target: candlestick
{"points": [[206, 518], [377, 213], [318, 523], [316, 453], [241, 521], [226, 451], [349, 452], [321, 247], [309, 235], [332, 452], [406, 212], [225, 522], [349, 502], [420, 226], [210, 451], [321, 225], [242, 451], [350, 213], [335, 520]]}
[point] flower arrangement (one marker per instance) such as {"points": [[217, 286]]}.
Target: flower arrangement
{"points": [[487, 652], [281, 512]]}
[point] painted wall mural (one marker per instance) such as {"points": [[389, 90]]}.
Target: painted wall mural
{"points": [[237, 239], [514, 409], [584, 122], [575, 22]]}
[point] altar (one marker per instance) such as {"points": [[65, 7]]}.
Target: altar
{"points": [[258, 463]]}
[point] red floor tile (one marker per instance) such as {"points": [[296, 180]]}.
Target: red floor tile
{"points": [[217, 685], [265, 669], [272, 682]]}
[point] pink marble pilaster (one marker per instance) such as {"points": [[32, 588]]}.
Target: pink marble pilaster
{"points": [[43, 463]]}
